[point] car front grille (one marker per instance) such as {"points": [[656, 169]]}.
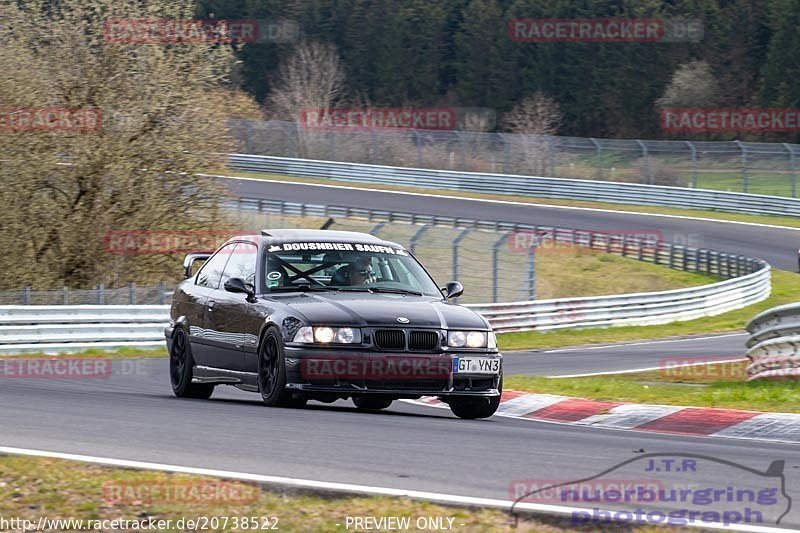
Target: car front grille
{"points": [[390, 339], [423, 340]]}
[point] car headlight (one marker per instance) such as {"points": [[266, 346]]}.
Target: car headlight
{"points": [[467, 339], [327, 335], [324, 335]]}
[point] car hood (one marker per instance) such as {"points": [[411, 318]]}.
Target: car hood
{"points": [[365, 310]]}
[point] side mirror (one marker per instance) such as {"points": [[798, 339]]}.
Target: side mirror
{"points": [[189, 260], [453, 290], [238, 285]]}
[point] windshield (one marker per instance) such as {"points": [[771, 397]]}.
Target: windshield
{"points": [[345, 267]]}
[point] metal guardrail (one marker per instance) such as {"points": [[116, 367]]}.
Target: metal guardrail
{"points": [[774, 343], [542, 187], [73, 328], [65, 328], [754, 167]]}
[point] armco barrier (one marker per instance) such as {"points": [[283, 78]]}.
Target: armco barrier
{"points": [[73, 328], [774, 343], [66, 328], [542, 187]]}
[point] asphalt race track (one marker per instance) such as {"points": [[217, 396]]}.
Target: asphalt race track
{"points": [[622, 357], [132, 415], [777, 246]]}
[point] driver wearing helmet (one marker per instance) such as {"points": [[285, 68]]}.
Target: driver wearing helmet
{"points": [[360, 272]]}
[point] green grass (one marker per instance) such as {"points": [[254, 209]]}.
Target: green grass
{"points": [[34, 487], [563, 272], [785, 289], [712, 181], [719, 385]]}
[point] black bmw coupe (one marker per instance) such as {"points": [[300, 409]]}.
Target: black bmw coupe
{"points": [[300, 315]]}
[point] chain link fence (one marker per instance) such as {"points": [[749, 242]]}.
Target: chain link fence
{"points": [[751, 167], [481, 260], [496, 261], [100, 295]]}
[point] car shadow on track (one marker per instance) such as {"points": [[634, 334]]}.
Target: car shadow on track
{"points": [[321, 407]]}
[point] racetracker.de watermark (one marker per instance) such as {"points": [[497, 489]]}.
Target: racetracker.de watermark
{"points": [[605, 30], [720, 120], [62, 367], [155, 492], [210, 31], [50, 119], [378, 367], [353, 119], [704, 368], [552, 240], [136, 242]]}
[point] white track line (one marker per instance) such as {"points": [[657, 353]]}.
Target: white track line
{"points": [[506, 202], [345, 487], [650, 369]]}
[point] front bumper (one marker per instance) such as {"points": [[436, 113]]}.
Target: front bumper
{"points": [[400, 375]]}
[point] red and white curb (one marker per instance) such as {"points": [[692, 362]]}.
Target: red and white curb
{"points": [[673, 419]]}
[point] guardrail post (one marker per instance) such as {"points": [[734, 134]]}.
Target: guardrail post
{"points": [[292, 136], [693, 182], [495, 262], [463, 150], [132, 293], [162, 289], [419, 148], [551, 155], [331, 145], [248, 137], [645, 169], [598, 162], [793, 168], [745, 177], [412, 243], [506, 156], [101, 295], [456, 244], [66, 295], [372, 146], [26, 295], [377, 229], [532, 273]]}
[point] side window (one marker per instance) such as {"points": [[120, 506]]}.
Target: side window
{"points": [[211, 272], [242, 264]]}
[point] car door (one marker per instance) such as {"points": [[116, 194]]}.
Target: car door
{"points": [[227, 313], [206, 287]]}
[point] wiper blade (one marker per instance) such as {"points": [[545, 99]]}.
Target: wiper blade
{"points": [[396, 291]]}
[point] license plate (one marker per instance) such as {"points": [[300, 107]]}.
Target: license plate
{"points": [[476, 365]]}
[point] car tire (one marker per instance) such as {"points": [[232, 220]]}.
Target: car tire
{"points": [[472, 408], [181, 370], [272, 372], [371, 403]]}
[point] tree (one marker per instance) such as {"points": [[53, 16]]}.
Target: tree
{"points": [[164, 108], [311, 78], [693, 85], [533, 119]]}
